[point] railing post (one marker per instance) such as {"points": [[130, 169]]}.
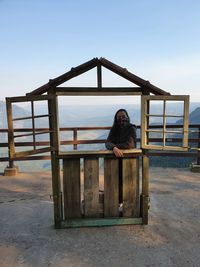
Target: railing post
{"points": [[75, 138], [10, 170], [198, 153], [196, 167], [145, 188]]}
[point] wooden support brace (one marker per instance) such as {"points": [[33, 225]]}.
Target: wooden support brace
{"points": [[145, 189]]}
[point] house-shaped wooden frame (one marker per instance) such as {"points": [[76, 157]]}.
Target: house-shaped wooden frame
{"points": [[67, 202]]}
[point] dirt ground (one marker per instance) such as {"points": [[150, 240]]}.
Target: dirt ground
{"points": [[172, 238]]}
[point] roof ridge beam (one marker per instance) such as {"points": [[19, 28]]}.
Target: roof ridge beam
{"points": [[65, 77], [123, 72]]}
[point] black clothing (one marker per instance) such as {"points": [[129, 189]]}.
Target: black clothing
{"points": [[122, 137]]}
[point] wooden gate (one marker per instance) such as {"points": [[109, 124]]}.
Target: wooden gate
{"points": [[93, 209]]}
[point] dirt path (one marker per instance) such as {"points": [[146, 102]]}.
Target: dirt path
{"points": [[172, 238]]}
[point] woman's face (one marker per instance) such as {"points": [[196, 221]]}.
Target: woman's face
{"points": [[122, 118]]}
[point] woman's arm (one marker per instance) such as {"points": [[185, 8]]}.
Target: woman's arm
{"points": [[130, 143]]}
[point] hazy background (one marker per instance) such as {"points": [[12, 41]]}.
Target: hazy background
{"points": [[156, 40]]}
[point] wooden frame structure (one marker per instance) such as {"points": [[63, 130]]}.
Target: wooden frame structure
{"points": [[146, 127], [66, 196]]}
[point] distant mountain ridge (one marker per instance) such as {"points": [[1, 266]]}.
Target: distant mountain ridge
{"points": [[194, 117], [94, 115]]}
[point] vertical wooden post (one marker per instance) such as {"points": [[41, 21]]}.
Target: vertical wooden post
{"points": [[75, 138], [11, 146], [186, 122], [145, 188], [33, 123], [111, 187], [71, 188], [10, 170], [55, 166], [99, 76], [198, 153], [91, 187], [130, 187]]}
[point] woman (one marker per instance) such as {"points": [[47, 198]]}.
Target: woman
{"points": [[122, 136]]}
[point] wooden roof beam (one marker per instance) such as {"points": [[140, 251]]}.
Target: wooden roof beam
{"points": [[98, 91], [123, 72], [65, 77]]}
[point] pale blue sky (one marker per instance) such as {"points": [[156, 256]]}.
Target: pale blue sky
{"points": [[156, 40]]}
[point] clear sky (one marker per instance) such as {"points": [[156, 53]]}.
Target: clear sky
{"points": [[156, 40]]}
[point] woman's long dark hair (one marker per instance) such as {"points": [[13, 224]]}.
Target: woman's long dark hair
{"points": [[115, 124]]}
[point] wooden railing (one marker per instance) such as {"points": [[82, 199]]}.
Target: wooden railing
{"points": [[75, 142]]}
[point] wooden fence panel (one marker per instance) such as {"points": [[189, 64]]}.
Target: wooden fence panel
{"points": [[71, 188], [111, 188], [91, 187], [130, 187]]}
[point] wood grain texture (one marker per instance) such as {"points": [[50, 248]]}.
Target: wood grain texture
{"points": [[91, 187], [71, 188], [130, 187], [111, 188]]}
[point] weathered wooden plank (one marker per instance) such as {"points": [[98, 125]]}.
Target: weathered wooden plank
{"points": [[166, 97], [71, 188], [91, 187], [99, 153], [143, 134], [131, 77], [30, 98], [186, 122], [130, 187], [111, 187], [32, 152], [198, 145], [100, 222], [66, 76], [145, 188], [32, 134], [55, 164], [11, 148], [99, 76], [30, 117], [98, 90]]}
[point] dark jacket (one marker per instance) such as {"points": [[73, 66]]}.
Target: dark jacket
{"points": [[122, 137]]}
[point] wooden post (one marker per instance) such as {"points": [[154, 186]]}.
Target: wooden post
{"points": [[145, 188], [10, 170], [71, 188], [111, 188], [99, 76], [130, 187], [55, 166], [33, 124], [91, 187], [75, 138], [196, 166], [198, 153]]}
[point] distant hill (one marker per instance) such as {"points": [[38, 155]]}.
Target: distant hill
{"points": [[91, 115], [194, 117], [17, 111], [97, 115]]}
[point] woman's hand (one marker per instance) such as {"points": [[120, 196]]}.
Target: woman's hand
{"points": [[117, 152]]}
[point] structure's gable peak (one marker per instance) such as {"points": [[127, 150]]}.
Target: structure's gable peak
{"points": [[146, 86]]}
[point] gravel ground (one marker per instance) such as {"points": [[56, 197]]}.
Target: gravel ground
{"points": [[172, 238]]}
